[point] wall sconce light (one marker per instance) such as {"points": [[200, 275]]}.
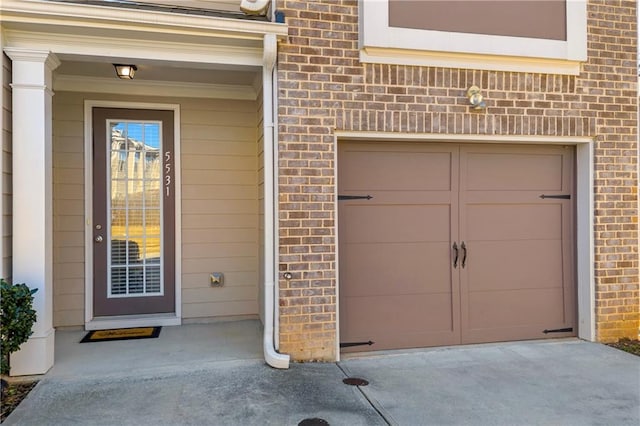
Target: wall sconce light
{"points": [[255, 7], [476, 98], [125, 72]]}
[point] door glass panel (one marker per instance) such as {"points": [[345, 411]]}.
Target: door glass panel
{"points": [[135, 261], [152, 194]]}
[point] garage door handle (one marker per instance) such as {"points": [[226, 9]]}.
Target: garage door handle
{"points": [[464, 254], [455, 255]]}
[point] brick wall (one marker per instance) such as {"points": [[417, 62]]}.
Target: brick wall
{"points": [[609, 90], [323, 87]]}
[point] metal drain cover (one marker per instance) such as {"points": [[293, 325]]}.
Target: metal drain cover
{"points": [[355, 381], [314, 422]]}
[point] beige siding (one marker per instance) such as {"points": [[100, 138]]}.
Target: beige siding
{"points": [[218, 5], [5, 184], [260, 129], [219, 206], [68, 210]]}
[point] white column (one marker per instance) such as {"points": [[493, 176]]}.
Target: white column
{"points": [[32, 200]]}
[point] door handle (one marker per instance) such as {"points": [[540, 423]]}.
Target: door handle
{"points": [[455, 255], [99, 239], [464, 254]]}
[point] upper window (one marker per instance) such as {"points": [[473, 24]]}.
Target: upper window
{"points": [[536, 35]]}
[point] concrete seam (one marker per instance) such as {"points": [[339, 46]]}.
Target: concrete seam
{"points": [[388, 419]]}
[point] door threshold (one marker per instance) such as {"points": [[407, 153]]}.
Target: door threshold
{"points": [[129, 321]]}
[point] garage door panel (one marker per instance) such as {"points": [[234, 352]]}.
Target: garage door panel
{"points": [[408, 341], [401, 269], [527, 332], [511, 197], [513, 221], [510, 265], [395, 223], [517, 308], [498, 171], [398, 197], [395, 170], [516, 282], [383, 318]]}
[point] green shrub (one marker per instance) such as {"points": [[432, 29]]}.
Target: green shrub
{"points": [[17, 316]]}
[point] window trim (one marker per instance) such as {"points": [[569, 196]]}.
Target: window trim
{"points": [[380, 43]]}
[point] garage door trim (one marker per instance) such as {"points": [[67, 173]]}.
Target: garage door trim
{"points": [[584, 218]]}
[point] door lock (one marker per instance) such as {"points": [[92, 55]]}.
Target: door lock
{"points": [[99, 239]]}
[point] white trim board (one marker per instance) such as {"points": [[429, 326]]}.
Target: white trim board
{"points": [[105, 17], [468, 61], [129, 321], [438, 137], [92, 323], [585, 260], [78, 44]]}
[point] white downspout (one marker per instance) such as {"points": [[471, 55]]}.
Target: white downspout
{"points": [[273, 358], [276, 224]]}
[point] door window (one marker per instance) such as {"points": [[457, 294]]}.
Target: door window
{"points": [[135, 261]]}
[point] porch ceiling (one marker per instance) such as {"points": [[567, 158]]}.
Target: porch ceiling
{"points": [[97, 75], [102, 68]]}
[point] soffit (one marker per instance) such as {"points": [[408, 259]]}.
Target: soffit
{"points": [[158, 21], [84, 30], [154, 71]]}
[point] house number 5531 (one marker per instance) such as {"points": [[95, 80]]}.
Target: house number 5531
{"points": [[167, 173]]}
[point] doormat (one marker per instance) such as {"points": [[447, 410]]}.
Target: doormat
{"points": [[121, 334]]}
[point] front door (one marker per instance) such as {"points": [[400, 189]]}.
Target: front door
{"points": [[133, 212]]}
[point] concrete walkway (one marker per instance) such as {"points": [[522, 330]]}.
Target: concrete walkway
{"points": [[565, 382]]}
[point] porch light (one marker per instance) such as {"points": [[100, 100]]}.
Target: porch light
{"points": [[125, 72], [476, 100]]}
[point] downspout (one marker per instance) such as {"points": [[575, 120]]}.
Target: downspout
{"points": [[273, 358], [276, 216]]}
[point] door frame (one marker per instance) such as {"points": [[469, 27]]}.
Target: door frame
{"points": [[584, 214], [91, 322]]}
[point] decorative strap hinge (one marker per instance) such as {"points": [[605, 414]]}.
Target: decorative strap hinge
{"points": [[559, 330], [560, 197], [352, 344], [354, 197]]}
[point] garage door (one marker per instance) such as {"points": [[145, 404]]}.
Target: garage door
{"points": [[443, 244]]}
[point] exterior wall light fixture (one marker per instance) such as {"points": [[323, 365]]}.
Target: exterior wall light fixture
{"points": [[125, 72], [476, 98], [255, 7]]}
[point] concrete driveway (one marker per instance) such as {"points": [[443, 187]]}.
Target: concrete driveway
{"points": [[567, 382]]}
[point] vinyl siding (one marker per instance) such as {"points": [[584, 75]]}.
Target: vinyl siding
{"points": [[219, 5], [5, 185], [260, 130], [219, 206], [68, 210]]}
